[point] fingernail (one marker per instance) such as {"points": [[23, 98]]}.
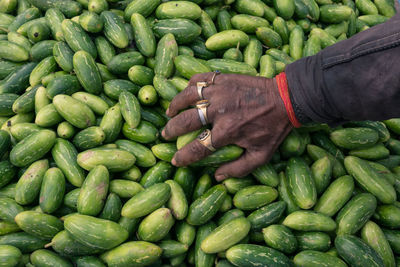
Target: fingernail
{"points": [[163, 133], [220, 177], [167, 111], [173, 161]]}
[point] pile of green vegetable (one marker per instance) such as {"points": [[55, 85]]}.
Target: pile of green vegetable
{"points": [[86, 179]]}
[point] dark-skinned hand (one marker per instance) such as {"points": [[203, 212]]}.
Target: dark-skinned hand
{"points": [[244, 110]]}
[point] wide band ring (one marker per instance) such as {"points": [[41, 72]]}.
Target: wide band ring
{"points": [[200, 86], [202, 110], [205, 139]]}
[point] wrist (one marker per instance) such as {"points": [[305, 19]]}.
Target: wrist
{"points": [[283, 88]]}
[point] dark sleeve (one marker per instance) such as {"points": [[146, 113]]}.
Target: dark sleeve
{"points": [[355, 79]]}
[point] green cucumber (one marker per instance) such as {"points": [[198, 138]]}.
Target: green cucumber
{"points": [[143, 7], [284, 8], [147, 95], [64, 84], [335, 196], [54, 18], [388, 216], [9, 209], [267, 67], [222, 237], [43, 257], [39, 224], [164, 88], [144, 37], [356, 252], [158, 173], [280, 237], [121, 63], [91, 22], [309, 221], [98, 105], [130, 109], [113, 88], [189, 66], [114, 30], [95, 232], [18, 80], [105, 49], [23, 241], [93, 191], [227, 39], [205, 207], [9, 255], [48, 116], [309, 258], [267, 215], [147, 201], [114, 159], [65, 154], [376, 152], [144, 133], [112, 208], [77, 38], [141, 75], [247, 255], [318, 241], [74, 111], [52, 190], [355, 213], [125, 188], [354, 138], [201, 258], [251, 7], [32, 148], [207, 25], [248, 23], [144, 156], [28, 186], [65, 130], [373, 235], [296, 42], [177, 202], [26, 16], [7, 172], [134, 252], [184, 30], [45, 67], [321, 170], [156, 225], [370, 180], [335, 13], [254, 197], [87, 72], [38, 32], [301, 183], [42, 49]]}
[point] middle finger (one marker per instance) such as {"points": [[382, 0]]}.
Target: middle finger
{"points": [[185, 122]]}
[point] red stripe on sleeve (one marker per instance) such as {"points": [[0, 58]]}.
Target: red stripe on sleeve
{"points": [[284, 92]]}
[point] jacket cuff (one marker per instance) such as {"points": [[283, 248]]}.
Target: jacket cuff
{"points": [[285, 96]]}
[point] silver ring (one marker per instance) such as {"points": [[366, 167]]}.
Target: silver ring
{"points": [[200, 86], [202, 110]]}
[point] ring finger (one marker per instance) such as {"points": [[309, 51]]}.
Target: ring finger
{"points": [[195, 150]]}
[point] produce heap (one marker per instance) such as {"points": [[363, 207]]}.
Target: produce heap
{"points": [[86, 179]]}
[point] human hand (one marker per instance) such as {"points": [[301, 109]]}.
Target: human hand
{"points": [[244, 110]]}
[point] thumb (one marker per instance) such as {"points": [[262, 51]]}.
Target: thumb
{"points": [[240, 167]]}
